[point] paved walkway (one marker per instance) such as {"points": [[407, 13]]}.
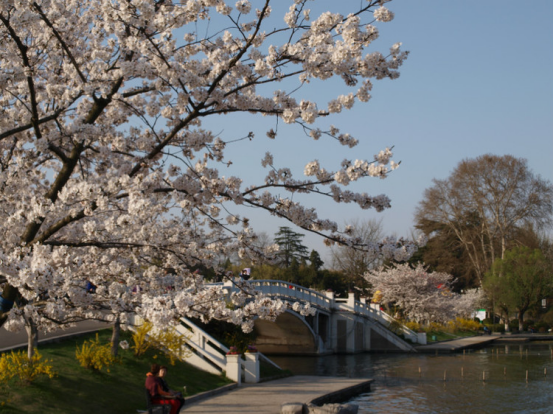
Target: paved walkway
{"points": [[267, 397], [9, 340], [457, 344]]}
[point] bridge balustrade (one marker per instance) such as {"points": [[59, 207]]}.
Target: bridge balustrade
{"points": [[295, 292]]}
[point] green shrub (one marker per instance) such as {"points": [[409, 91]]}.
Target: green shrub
{"points": [[527, 323], [413, 325], [487, 321], [513, 324], [542, 325], [498, 328], [395, 327], [548, 318]]}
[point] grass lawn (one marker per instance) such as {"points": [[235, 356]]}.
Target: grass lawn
{"points": [[444, 335], [80, 390]]}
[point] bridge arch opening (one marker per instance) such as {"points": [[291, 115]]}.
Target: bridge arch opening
{"points": [[289, 334]]}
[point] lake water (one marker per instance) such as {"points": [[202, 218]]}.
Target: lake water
{"points": [[399, 387]]}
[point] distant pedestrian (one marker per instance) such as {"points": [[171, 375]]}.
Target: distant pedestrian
{"points": [[245, 274], [90, 287]]}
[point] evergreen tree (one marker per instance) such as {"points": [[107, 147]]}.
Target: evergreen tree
{"points": [[316, 261], [290, 246]]}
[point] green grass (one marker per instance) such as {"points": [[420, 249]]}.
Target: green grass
{"points": [[444, 335], [80, 390]]}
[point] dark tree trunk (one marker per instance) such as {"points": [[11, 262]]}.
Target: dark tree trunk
{"points": [[521, 320], [115, 337], [32, 338]]}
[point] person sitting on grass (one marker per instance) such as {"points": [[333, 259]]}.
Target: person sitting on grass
{"points": [[165, 386], [159, 396]]}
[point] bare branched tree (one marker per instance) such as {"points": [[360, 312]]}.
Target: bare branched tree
{"points": [[354, 262], [485, 202]]}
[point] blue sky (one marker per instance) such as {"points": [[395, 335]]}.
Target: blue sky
{"points": [[479, 79]]}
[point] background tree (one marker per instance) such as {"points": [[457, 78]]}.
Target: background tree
{"points": [[290, 246], [520, 280], [444, 252], [484, 203], [420, 295], [354, 262], [108, 170]]}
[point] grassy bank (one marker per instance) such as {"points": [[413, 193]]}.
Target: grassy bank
{"points": [[444, 335], [80, 390]]}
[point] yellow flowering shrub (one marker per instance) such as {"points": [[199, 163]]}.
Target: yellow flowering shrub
{"points": [[93, 355], [18, 365], [140, 338], [463, 324], [433, 326], [170, 342], [413, 325]]}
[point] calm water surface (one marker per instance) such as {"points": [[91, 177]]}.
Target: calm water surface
{"points": [[399, 387]]}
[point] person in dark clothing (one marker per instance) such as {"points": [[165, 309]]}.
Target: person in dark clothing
{"points": [[165, 386], [159, 396], [90, 287]]}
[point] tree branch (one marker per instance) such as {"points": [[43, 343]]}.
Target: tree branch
{"points": [[62, 42]]}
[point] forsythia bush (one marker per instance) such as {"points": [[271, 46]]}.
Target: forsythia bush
{"points": [[413, 325], [462, 324], [18, 364], [170, 342], [140, 338], [436, 327], [93, 355]]}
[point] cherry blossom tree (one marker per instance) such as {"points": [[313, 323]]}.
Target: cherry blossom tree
{"points": [[109, 172], [420, 295]]}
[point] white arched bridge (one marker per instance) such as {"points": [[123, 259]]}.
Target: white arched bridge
{"points": [[338, 326]]}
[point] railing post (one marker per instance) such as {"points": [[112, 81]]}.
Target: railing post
{"points": [[330, 295], [351, 299], [421, 338], [234, 368], [251, 368]]}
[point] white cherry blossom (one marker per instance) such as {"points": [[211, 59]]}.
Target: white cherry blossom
{"points": [[110, 174]]}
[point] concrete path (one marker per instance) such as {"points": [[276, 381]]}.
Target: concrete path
{"points": [[9, 340], [457, 344], [267, 397]]}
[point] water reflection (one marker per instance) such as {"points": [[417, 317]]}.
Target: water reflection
{"points": [[490, 380]]}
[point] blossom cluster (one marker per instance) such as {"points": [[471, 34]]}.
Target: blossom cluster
{"points": [[420, 295], [111, 193]]}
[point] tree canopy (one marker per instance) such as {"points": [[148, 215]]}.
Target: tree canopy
{"points": [[520, 280], [107, 169], [290, 246], [479, 210]]}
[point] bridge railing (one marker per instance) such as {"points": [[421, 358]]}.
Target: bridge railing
{"points": [[292, 291], [373, 311], [295, 292]]}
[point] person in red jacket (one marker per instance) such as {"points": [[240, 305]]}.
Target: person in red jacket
{"points": [[155, 388]]}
